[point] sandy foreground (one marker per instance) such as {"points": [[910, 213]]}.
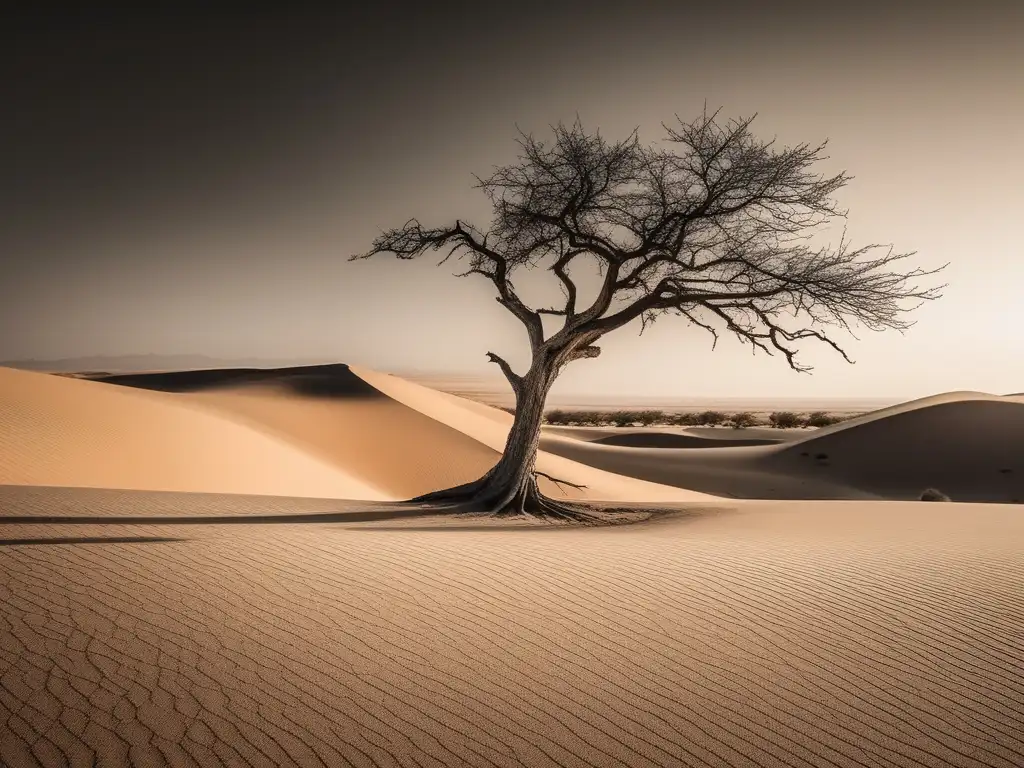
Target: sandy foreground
{"points": [[205, 572]]}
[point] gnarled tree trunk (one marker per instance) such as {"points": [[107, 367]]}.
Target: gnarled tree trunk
{"points": [[510, 486]]}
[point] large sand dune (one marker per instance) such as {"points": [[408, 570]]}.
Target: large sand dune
{"points": [[72, 432]]}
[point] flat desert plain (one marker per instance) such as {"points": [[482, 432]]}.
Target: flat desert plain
{"points": [[208, 568]]}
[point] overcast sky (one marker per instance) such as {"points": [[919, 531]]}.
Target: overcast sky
{"points": [[179, 185]]}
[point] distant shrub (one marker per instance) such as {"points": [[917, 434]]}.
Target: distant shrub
{"points": [[930, 494], [711, 418], [821, 419], [785, 420], [744, 419], [647, 418], [558, 417], [588, 418], [623, 418], [684, 419], [574, 418]]}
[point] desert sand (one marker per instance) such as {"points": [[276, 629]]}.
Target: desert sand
{"points": [[207, 569]]}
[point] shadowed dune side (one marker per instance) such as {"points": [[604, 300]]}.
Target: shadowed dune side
{"points": [[971, 448], [330, 380], [58, 430], [792, 634]]}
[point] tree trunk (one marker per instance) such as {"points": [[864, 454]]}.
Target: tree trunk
{"points": [[510, 486]]}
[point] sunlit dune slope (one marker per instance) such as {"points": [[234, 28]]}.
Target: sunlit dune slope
{"points": [[796, 634], [968, 445], [399, 437], [64, 431], [337, 417]]}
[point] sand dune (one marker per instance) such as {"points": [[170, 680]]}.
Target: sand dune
{"points": [[967, 444], [759, 633], [319, 431], [971, 446], [376, 439], [72, 432], [329, 412]]}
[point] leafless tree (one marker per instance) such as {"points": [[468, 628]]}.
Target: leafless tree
{"points": [[712, 224]]}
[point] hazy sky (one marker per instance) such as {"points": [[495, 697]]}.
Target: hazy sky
{"points": [[194, 184]]}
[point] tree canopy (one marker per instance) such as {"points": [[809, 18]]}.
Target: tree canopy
{"points": [[712, 225]]}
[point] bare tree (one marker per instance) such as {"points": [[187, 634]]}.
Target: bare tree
{"points": [[713, 225]]}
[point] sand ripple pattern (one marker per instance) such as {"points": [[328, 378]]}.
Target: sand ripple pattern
{"points": [[773, 634]]}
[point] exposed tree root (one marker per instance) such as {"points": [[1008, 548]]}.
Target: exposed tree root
{"points": [[558, 482], [492, 497]]}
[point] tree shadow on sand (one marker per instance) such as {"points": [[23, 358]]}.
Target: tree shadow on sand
{"points": [[86, 507]]}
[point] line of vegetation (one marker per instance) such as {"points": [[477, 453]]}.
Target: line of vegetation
{"points": [[710, 418]]}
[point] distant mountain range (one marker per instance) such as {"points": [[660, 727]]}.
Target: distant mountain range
{"points": [[131, 363]]}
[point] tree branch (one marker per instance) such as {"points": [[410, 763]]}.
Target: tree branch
{"points": [[568, 285], [557, 481], [589, 351], [513, 378], [412, 240]]}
